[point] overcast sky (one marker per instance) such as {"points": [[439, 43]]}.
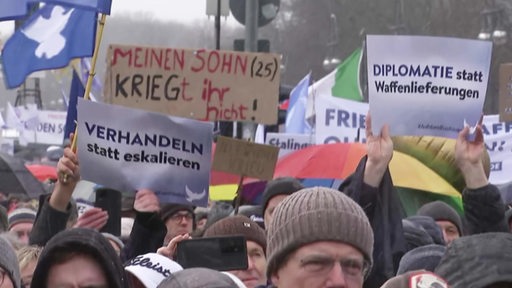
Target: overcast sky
{"points": [[177, 10]]}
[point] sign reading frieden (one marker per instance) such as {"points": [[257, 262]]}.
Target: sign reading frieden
{"points": [[422, 85], [200, 84], [130, 149]]}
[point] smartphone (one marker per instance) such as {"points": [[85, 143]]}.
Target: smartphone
{"points": [[221, 253], [110, 201]]}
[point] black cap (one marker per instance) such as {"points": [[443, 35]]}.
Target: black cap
{"points": [[280, 186]]}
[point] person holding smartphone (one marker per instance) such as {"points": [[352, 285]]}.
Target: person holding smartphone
{"points": [[256, 241]]}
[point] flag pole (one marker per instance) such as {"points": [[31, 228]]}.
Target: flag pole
{"points": [[92, 73]]}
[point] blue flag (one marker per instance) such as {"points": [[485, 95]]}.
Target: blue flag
{"points": [[49, 39], [77, 90], [12, 9], [101, 6], [296, 114]]}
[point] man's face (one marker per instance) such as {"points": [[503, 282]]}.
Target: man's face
{"points": [[450, 231], [321, 265], [178, 224], [271, 206], [22, 231], [79, 271], [255, 274]]}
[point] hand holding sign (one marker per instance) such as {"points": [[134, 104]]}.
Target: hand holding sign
{"points": [[146, 201], [469, 155]]}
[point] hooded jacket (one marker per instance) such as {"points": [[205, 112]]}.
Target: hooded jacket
{"points": [[385, 213], [84, 241], [477, 261]]}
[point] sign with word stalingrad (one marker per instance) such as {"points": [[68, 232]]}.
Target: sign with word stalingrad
{"points": [[200, 84]]}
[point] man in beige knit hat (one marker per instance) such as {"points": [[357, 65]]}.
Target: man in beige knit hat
{"points": [[319, 237]]}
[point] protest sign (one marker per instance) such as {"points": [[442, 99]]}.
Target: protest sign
{"points": [[340, 120], [245, 158], [43, 127], [287, 142], [505, 90], [423, 85], [498, 141], [129, 149], [200, 84]]}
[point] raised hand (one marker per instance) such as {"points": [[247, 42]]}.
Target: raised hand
{"points": [[379, 151], [68, 170], [94, 218], [146, 201], [170, 249], [468, 156]]}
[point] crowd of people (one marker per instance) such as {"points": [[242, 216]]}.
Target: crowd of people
{"points": [[354, 236]]}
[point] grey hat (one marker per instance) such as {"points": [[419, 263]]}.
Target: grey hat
{"points": [[9, 262], [279, 186], [238, 225], [316, 214], [198, 278], [441, 211], [425, 257], [478, 260]]}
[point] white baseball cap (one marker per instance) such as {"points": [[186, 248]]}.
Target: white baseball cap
{"points": [[152, 268]]}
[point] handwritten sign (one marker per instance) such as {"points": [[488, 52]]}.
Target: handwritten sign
{"points": [[200, 84], [131, 149], [505, 86], [423, 85], [245, 158]]}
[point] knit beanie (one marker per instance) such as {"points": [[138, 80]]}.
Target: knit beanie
{"points": [[9, 262], [415, 235], [253, 212], [20, 215], [421, 258], [441, 211], [115, 239], [478, 260], [316, 214], [416, 279], [429, 224], [279, 186], [238, 225]]}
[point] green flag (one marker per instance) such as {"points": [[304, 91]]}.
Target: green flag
{"points": [[346, 84]]}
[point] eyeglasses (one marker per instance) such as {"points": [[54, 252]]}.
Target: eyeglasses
{"points": [[323, 265], [179, 217]]}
